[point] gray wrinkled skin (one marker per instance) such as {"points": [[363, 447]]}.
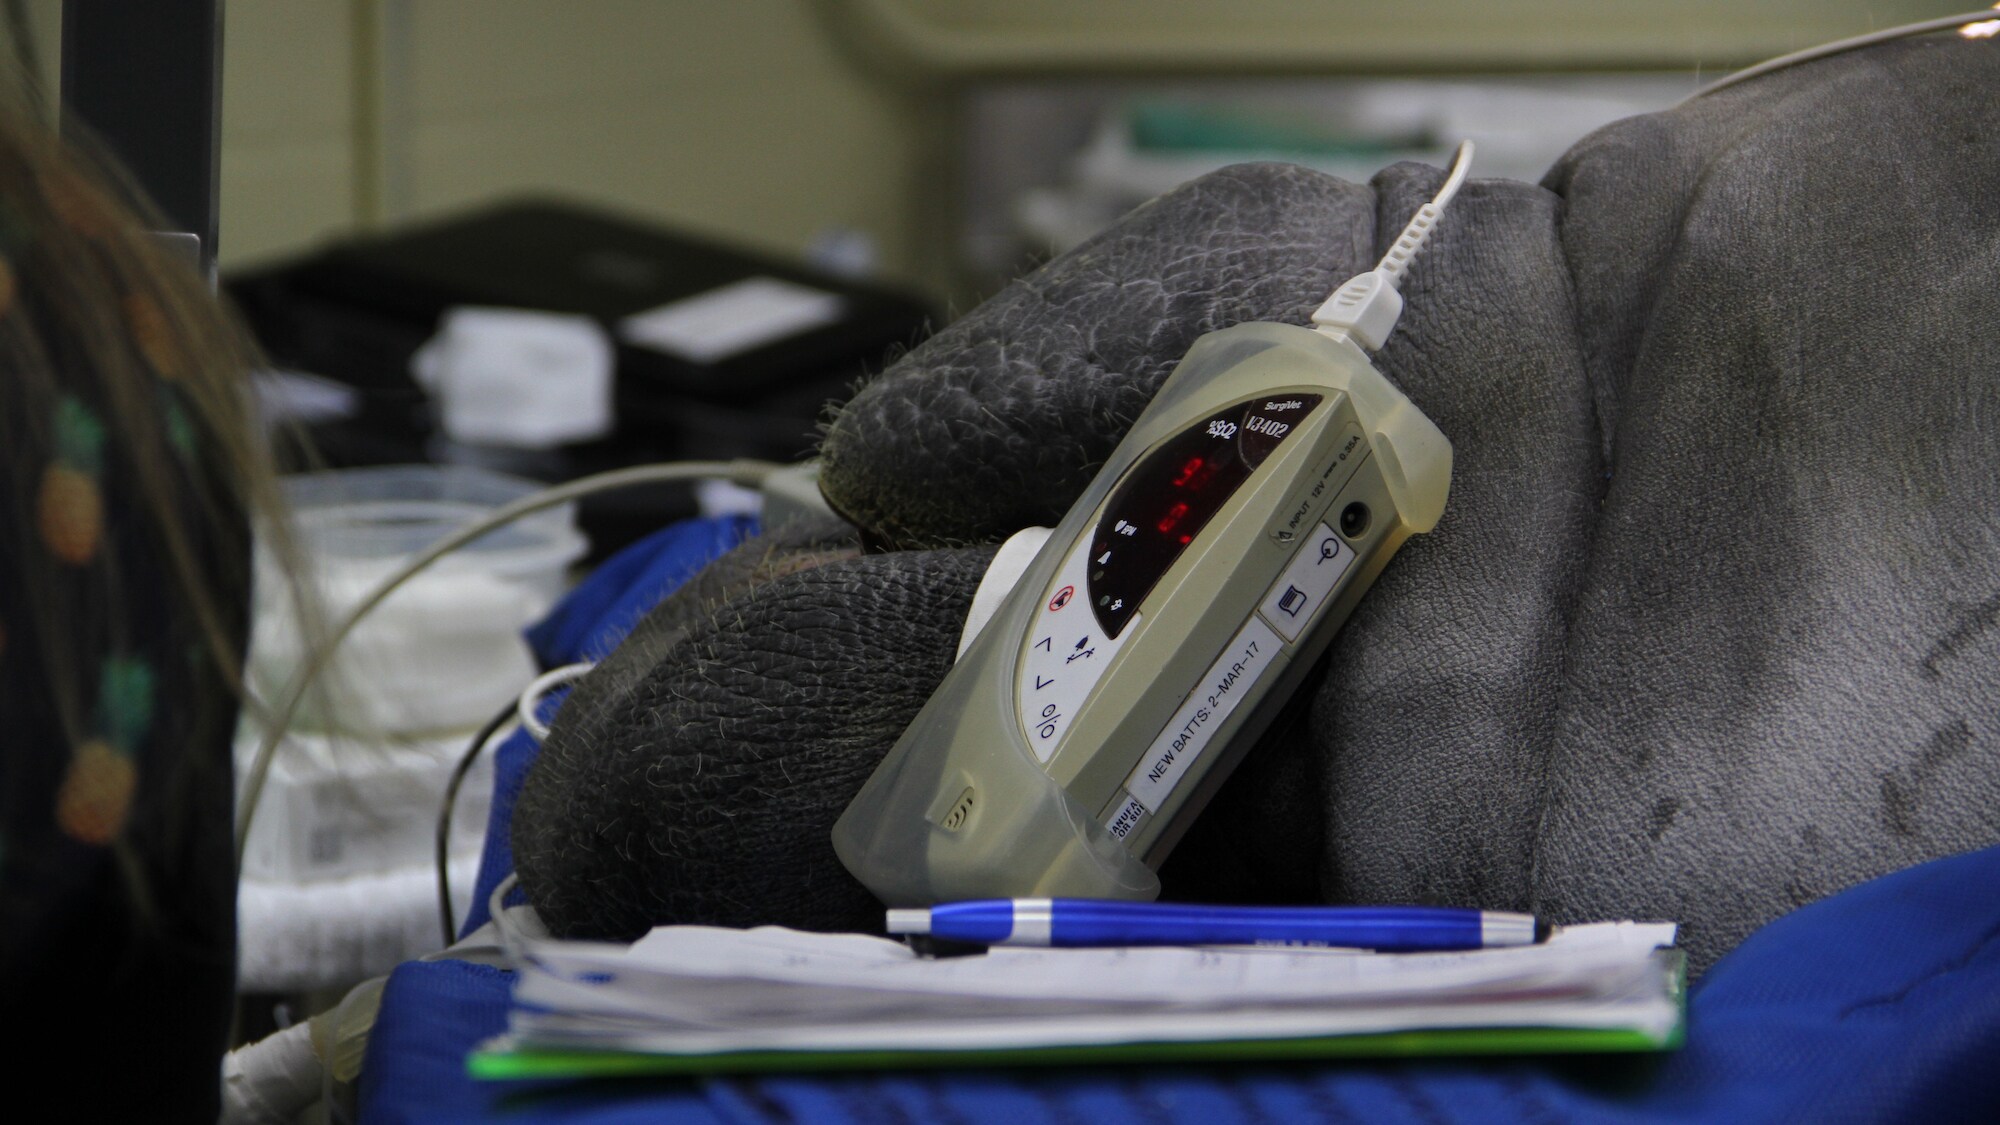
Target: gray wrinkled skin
{"points": [[1781, 672], [1709, 628], [999, 421], [696, 773]]}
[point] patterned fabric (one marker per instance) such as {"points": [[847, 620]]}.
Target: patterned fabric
{"points": [[117, 889]]}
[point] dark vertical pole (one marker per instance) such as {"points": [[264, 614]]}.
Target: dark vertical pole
{"points": [[146, 77]]}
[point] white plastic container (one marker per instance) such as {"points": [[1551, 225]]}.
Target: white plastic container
{"points": [[338, 807], [338, 869], [444, 652]]}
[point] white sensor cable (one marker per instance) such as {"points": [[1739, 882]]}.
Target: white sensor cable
{"points": [[1969, 24], [1397, 260], [1366, 306], [531, 697]]}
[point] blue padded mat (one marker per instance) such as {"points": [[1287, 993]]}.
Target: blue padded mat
{"points": [[1878, 1004]]}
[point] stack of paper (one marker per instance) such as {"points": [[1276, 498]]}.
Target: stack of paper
{"points": [[697, 998]]}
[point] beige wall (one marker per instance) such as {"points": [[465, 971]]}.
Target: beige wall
{"points": [[738, 117], [287, 126], [770, 120], [1370, 35]]}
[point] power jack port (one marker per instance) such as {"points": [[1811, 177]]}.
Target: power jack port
{"points": [[1354, 520]]}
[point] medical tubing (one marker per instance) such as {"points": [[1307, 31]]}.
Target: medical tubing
{"points": [[1839, 46], [451, 787], [745, 472]]}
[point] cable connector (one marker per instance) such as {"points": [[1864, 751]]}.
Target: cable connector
{"points": [[1366, 306], [1412, 239]]}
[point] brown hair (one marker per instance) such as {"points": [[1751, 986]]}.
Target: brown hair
{"points": [[130, 469]]}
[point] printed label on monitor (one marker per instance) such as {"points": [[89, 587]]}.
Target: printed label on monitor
{"points": [[1066, 654], [1130, 815], [1308, 582], [1253, 652]]}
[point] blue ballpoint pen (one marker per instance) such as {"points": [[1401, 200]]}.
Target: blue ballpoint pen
{"points": [[1099, 922]]}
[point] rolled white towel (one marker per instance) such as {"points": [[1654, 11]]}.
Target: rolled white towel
{"points": [[271, 1081], [305, 936]]}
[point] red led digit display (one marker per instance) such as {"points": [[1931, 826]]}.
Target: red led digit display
{"points": [[1191, 474], [1172, 493]]}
